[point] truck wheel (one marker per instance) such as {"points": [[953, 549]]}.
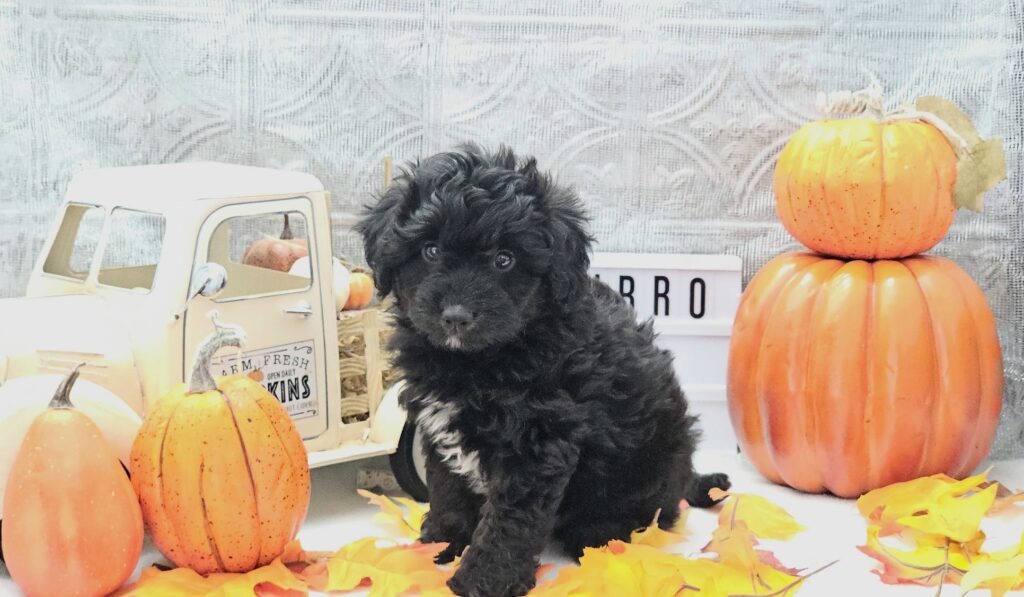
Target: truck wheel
{"points": [[408, 463]]}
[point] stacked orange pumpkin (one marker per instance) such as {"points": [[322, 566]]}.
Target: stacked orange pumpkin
{"points": [[864, 364]]}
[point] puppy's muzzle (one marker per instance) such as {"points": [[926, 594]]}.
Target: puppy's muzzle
{"points": [[457, 320]]}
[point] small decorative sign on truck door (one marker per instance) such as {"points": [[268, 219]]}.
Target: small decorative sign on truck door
{"points": [[289, 373]]}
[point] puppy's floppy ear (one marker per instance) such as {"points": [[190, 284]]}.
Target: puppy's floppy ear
{"points": [[379, 229], [570, 245]]}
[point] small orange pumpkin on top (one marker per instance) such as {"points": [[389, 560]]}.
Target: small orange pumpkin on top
{"points": [[883, 186]]}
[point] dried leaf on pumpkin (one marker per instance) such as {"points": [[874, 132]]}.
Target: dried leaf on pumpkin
{"points": [[980, 165], [409, 521]]}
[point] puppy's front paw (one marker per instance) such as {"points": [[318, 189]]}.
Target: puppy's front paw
{"points": [[449, 553], [446, 529], [480, 575]]}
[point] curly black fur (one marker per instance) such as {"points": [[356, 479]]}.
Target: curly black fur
{"points": [[548, 409]]}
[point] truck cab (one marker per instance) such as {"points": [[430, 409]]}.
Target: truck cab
{"points": [[122, 286]]}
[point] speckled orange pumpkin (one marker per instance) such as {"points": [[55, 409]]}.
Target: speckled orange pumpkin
{"points": [[860, 189], [845, 376], [220, 470]]}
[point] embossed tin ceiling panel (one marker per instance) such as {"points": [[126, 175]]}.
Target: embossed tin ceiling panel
{"points": [[667, 116]]}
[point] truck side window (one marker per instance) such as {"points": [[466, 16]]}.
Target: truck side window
{"points": [[75, 244], [133, 249], [263, 254]]}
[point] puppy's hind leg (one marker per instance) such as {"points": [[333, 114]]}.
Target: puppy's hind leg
{"points": [[697, 492]]}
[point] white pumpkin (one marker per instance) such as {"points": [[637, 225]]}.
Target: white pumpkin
{"points": [[22, 399], [339, 284]]}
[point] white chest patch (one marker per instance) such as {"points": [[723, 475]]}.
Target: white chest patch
{"points": [[435, 423]]}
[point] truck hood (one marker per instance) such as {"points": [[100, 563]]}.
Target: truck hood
{"points": [[52, 334]]}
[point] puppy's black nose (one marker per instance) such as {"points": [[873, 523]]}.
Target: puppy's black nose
{"points": [[457, 319]]}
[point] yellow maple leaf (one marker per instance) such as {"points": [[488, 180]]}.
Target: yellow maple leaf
{"points": [[762, 517], [996, 575], [389, 570], [956, 517], [927, 565], [655, 536], [618, 569], [887, 505], [273, 579], [408, 520], [734, 543], [732, 567]]}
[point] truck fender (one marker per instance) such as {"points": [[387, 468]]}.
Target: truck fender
{"points": [[389, 418]]}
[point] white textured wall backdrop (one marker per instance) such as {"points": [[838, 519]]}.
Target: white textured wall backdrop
{"points": [[667, 116]]}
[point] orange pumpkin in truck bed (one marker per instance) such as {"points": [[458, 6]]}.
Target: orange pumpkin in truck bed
{"points": [[845, 376]]}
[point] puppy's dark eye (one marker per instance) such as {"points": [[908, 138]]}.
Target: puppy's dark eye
{"points": [[504, 260], [431, 252]]}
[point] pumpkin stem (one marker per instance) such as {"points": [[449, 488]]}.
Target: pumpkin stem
{"points": [[869, 101], [223, 335], [62, 397], [286, 232]]}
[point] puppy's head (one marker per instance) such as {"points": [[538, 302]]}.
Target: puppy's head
{"points": [[476, 245]]}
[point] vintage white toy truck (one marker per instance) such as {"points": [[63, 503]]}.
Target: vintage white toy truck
{"points": [[138, 259]]}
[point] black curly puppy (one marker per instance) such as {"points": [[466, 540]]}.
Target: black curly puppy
{"points": [[548, 409]]}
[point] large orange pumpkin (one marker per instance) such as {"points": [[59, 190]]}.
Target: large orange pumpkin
{"points": [[220, 470], [861, 189], [845, 376], [72, 525]]}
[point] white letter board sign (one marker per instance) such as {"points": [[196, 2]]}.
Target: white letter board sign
{"points": [[693, 300]]}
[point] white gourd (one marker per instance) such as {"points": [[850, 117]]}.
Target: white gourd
{"points": [[339, 284]]}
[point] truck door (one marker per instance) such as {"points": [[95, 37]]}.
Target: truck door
{"points": [[282, 313]]}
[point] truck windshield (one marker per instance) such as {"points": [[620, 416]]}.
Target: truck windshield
{"points": [[133, 248], [75, 243]]}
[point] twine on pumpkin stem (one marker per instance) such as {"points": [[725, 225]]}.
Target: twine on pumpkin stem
{"points": [[870, 101], [223, 335]]}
